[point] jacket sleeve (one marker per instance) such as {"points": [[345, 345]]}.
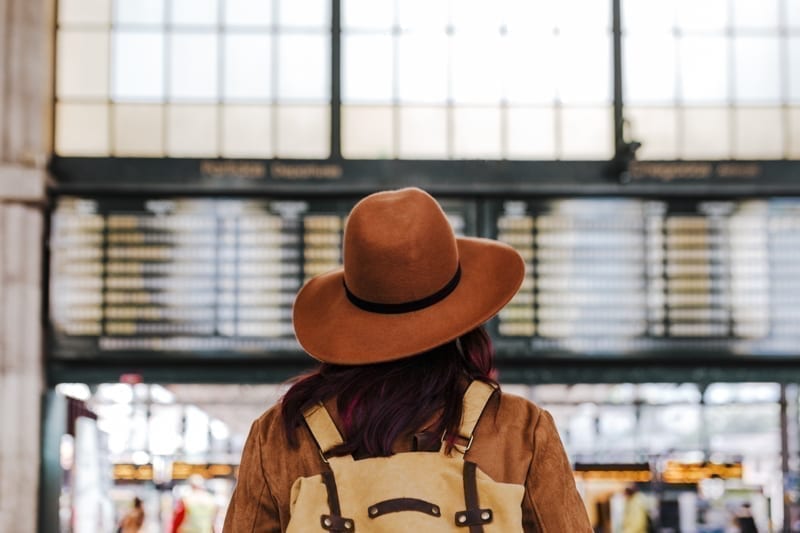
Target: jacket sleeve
{"points": [[550, 486], [252, 508]]}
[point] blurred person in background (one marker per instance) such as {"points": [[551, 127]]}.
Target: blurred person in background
{"points": [[196, 512], [745, 520], [635, 518], [133, 519]]}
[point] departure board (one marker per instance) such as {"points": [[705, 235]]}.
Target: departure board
{"points": [[190, 275], [614, 277]]}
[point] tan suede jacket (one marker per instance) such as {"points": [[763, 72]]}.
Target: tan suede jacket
{"points": [[515, 442]]}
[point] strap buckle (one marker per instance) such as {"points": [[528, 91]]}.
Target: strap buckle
{"points": [[458, 446]]}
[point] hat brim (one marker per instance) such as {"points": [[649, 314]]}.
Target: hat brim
{"points": [[333, 330]]}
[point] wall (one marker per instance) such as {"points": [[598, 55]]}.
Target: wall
{"points": [[26, 51]]}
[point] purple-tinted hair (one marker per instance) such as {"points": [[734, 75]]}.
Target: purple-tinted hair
{"points": [[377, 403]]}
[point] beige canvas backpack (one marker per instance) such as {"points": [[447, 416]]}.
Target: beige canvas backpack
{"points": [[409, 491]]}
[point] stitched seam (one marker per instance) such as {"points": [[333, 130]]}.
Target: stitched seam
{"points": [[536, 513], [263, 476]]}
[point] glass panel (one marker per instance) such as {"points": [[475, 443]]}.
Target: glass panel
{"points": [[649, 69], [531, 133], [476, 15], [138, 130], [367, 132], [194, 12], [703, 69], [585, 67], [705, 134], [587, 133], [794, 68], [368, 14], [476, 69], [248, 67], [84, 12], [139, 11], [81, 129], [702, 16], [759, 134], [367, 68], [247, 131], [733, 428], [304, 67], [303, 131], [581, 15], [423, 132], [535, 83], [528, 17], [757, 69], [248, 12], [645, 16], [793, 13], [656, 130], [82, 66], [422, 68], [794, 133], [755, 14], [192, 130], [305, 13], [138, 66], [193, 66], [727, 393], [476, 133], [671, 428], [431, 15]]}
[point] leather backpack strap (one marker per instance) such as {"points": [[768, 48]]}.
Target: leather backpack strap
{"points": [[323, 429], [475, 399]]}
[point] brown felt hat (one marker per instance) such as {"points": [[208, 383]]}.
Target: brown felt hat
{"points": [[407, 285]]}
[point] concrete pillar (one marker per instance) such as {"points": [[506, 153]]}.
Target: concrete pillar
{"points": [[26, 102]]}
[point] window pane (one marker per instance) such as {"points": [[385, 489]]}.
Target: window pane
{"points": [[530, 71], [84, 12], [247, 131], [367, 68], [367, 132], [757, 69], [531, 133], [703, 68], [248, 67], [368, 14], [529, 17], [422, 68], [304, 67], [585, 67], [431, 15], [138, 130], [305, 13], [248, 12], [138, 66], [477, 69], [586, 133], [581, 15], [793, 13], [656, 130], [649, 68], [755, 14], [794, 68], [423, 132], [476, 15], [82, 68], [703, 16], [81, 129], [192, 130], [303, 131], [476, 133], [705, 134], [645, 16], [194, 12], [794, 133], [139, 11], [193, 66], [759, 134]]}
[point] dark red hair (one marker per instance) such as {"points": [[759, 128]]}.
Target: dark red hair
{"points": [[377, 403]]}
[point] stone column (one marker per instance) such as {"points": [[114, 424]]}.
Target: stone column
{"points": [[26, 102]]}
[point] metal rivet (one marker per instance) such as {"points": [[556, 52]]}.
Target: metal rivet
{"points": [[435, 510], [373, 510], [327, 521], [485, 515], [462, 519], [348, 525]]}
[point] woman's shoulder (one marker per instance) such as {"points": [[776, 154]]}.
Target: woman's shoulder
{"points": [[515, 406]]}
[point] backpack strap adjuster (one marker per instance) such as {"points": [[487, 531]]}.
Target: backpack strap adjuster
{"points": [[474, 517], [336, 523]]}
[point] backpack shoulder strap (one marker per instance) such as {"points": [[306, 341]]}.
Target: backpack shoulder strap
{"points": [[323, 428], [475, 399]]}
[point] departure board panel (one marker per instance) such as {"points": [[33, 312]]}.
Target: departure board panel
{"points": [[190, 275], [616, 277]]}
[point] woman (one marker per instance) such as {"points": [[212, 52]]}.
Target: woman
{"points": [[398, 333], [133, 519]]}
